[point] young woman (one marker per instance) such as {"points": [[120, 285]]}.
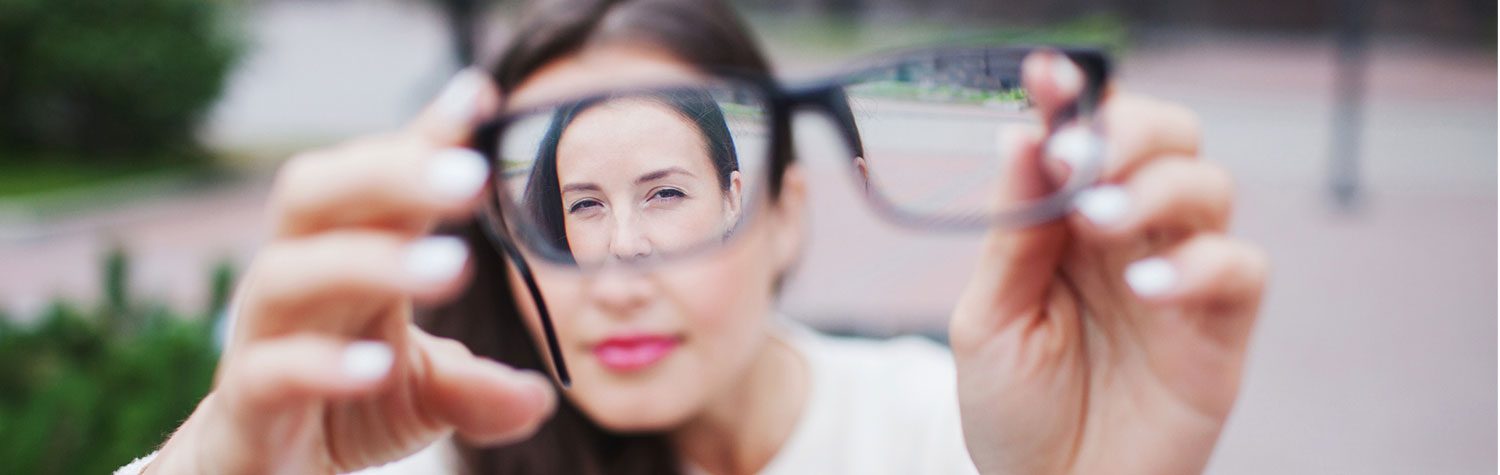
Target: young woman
{"points": [[1110, 341]]}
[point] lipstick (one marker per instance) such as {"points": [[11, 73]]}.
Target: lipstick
{"points": [[634, 352]]}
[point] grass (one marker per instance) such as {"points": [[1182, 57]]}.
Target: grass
{"points": [[940, 93], [35, 176], [831, 36]]}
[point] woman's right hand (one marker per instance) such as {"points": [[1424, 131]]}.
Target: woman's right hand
{"points": [[325, 371]]}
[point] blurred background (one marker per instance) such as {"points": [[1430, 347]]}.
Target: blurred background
{"points": [[139, 138]]}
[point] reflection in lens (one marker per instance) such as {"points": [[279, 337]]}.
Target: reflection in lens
{"points": [[930, 128], [632, 177]]}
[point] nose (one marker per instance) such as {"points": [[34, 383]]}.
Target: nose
{"points": [[628, 241], [620, 293]]}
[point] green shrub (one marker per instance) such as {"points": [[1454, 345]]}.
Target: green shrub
{"points": [[105, 79], [87, 391]]}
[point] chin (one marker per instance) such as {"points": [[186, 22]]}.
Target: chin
{"points": [[655, 407]]}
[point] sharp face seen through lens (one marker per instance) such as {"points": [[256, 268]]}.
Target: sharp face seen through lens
{"points": [[634, 177], [930, 127]]}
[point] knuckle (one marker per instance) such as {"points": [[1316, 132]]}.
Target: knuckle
{"points": [[1188, 119], [1184, 122], [287, 273], [1220, 178], [1237, 260], [246, 379], [274, 259], [1257, 263], [293, 174], [1220, 183]]}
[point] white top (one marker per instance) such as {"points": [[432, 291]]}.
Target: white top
{"points": [[875, 407]]}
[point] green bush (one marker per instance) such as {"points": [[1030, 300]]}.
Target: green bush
{"points": [[87, 391], [105, 79]]}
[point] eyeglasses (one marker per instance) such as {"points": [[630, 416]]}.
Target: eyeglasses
{"points": [[645, 176]]}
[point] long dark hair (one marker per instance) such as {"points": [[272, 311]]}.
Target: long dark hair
{"points": [[704, 33]]}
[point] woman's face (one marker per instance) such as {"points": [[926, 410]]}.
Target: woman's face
{"points": [[637, 181], [649, 348]]}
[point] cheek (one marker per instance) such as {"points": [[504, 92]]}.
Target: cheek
{"points": [[562, 291], [727, 296], [692, 223], [588, 239]]}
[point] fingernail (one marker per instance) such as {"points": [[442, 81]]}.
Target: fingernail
{"points": [[367, 360], [1103, 205], [1151, 277], [436, 259], [457, 174], [460, 98], [1065, 76], [1074, 145]]}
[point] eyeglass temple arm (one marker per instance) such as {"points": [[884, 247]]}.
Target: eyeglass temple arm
{"points": [[554, 350], [548, 329]]}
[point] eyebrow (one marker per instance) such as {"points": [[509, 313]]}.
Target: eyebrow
{"points": [[659, 174], [646, 178]]}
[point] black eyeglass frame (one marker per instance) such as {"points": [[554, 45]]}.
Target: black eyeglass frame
{"points": [[827, 97]]}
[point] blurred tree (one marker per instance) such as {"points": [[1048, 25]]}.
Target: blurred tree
{"points": [[105, 78], [78, 397]]}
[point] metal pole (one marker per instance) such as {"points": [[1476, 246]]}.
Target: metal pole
{"points": [[1348, 108], [462, 23]]}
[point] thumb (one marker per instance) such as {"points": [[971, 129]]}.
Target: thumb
{"points": [[485, 402], [1016, 265], [469, 97]]}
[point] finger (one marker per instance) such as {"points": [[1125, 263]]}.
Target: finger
{"points": [[486, 402], [1011, 279], [1175, 196], [1141, 129], [1210, 273], [292, 283], [1051, 80], [1053, 83], [397, 183], [468, 98], [273, 373]]}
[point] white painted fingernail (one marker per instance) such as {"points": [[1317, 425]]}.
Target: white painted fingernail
{"points": [[436, 259], [1074, 145], [460, 98], [1066, 76], [457, 174], [1151, 277], [1103, 205], [367, 360]]}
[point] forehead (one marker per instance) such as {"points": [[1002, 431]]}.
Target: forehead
{"points": [[629, 132], [598, 69]]}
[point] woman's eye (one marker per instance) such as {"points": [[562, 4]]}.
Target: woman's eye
{"points": [[668, 193], [584, 205]]}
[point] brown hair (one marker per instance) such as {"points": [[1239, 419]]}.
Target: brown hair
{"points": [[703, 33]]}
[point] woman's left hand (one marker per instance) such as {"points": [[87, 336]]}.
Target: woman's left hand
{"points": [[1110, 341]]}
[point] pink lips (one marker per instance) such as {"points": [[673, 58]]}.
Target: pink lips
{"points": [[636, 352]]}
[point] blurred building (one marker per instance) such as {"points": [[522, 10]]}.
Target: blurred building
{"points": [[1452, 19]]}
